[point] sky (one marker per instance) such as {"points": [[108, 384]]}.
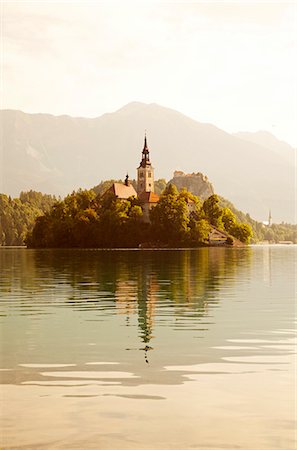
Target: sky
{"points": [[232, 64]]}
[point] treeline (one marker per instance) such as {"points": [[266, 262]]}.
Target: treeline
{"points": [[18, 215], [274, 233], [280, 232], [83, 219]]}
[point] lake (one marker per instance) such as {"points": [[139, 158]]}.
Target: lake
{"points": [[148, 349]]}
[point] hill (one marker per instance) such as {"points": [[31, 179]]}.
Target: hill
{"points": [[59, 154], [269, 141]]}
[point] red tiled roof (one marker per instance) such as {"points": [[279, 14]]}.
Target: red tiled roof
{"points": [[149, 197], [122, 191]]}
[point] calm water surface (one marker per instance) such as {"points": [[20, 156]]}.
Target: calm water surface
{"points": [[190, 349]]}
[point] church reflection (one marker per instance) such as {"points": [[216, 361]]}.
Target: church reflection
{"points": [[186, 280], [95, 305], [138, 297], [153, 287]]}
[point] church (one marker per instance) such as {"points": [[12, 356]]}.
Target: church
{"points": [[145, 185]]}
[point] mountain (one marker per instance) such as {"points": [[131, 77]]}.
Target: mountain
{"points": [[57, 154], [269, 141]]}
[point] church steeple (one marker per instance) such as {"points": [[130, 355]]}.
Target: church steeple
{"points": [[145, 147], [145, 171], [145, 161]]}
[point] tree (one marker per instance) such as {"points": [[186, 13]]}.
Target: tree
{"points": [[243, 232], [213, 212], [160, 186], [191, 199], [170, 218], [17, 216], [229, 220], [199, 231], [119, 221]]}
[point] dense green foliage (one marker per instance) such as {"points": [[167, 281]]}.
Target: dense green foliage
{"points": [[274, 233], [225, 219], [17, 216], [84, 219], [171, 222], [280, 232], [160, 185]]}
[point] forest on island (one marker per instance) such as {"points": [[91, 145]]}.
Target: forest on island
{"points": [[87, 219], [83, 219]]}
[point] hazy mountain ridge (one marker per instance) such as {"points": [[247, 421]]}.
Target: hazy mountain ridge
{"points": [[269, 141], [56, 154]]}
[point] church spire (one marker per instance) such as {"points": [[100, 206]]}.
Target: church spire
{"points": [[145, 147], [145, 159], [145, 150]]}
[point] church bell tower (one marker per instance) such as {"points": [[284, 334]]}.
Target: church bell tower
{"points": [[145, 172]]}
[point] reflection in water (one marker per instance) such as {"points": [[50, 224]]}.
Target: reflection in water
{"points": [[130, 326], [180, 284]]}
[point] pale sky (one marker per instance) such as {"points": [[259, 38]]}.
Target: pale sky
{"points": [[232, 64]]}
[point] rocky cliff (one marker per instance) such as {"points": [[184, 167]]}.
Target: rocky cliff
{"points": [[197, 183]]}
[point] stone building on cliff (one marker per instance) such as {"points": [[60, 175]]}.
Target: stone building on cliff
{"points": [[197, 183]]}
